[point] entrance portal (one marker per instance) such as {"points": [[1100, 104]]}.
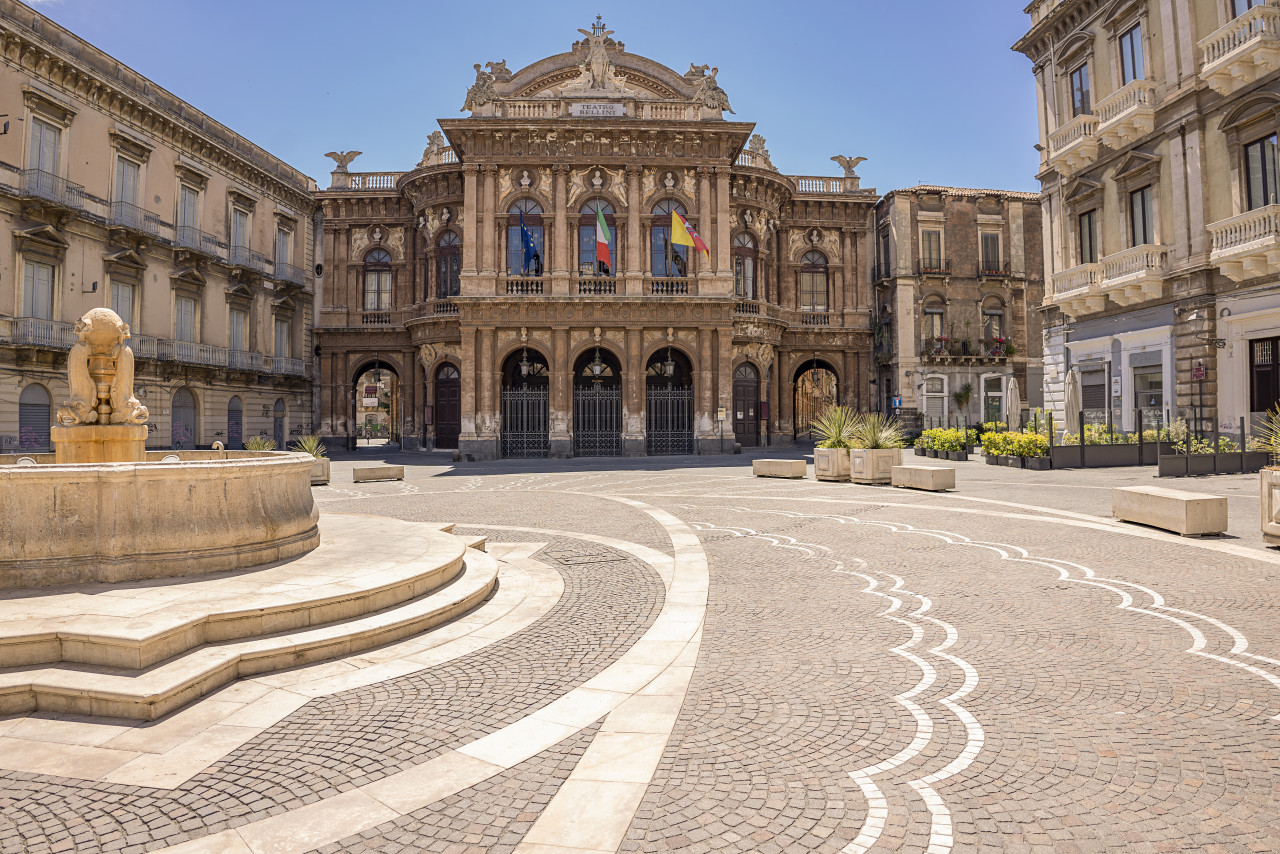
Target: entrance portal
{"points": [[525, 422], [816, 390], [377, 406], [746, 403], [668, 403], [448, 406], [597, 405]]}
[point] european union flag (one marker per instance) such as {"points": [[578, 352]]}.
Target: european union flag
{"points": [[530, 249]]}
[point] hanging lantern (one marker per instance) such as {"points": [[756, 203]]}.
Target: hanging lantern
{"points": [[524, 363], [669, 366], [597, 365]]}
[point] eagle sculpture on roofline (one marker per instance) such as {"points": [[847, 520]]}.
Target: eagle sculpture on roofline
{"points": [[342, 158], [849, 164]]}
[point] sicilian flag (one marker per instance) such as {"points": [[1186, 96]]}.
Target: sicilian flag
{"points": [[604, 260], [683, 234]]}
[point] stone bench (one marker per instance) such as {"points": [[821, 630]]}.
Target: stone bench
{"points": [[368, 473], [931, 478], [793, 469], [1191, 514]]}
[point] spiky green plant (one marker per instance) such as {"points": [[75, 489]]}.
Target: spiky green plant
{"points": [[834, 427], [312, 445], [259, 443], [876, 430], [1267, 437]]}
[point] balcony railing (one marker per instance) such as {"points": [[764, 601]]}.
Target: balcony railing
{"points": [[243, 360], [994, 271], [289, 273], [950, 350], [933, 267], [1077, 278], [811, 185], [373, 180], [1078, 290], [143, 346], [1247, 245], [748, 308], [1247, 47], [1075, 144], [815, 318], [669, 286], [444, 308], [190, 237], [598, 285], [288, 367], [134, 218], [243, 256], [191, 353], [37, 332], [1135, 274], [1128, 114], [375, 318], [524, 285], [37, 184]]}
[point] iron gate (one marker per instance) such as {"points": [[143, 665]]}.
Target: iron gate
{"points": [[597, 421], [668, 420], [524, 422]]}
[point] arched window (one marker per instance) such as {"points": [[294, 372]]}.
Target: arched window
{"points": [[448, 372], [590, 262], [744, 266], [931, 321], [519, 261], [377, 281], [34, 418], [813, 282], [448, 265], [668, 259]]}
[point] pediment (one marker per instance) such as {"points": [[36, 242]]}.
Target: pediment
{"points": [[126, 259], [44, 235], [188, 276], [1256, 106], [1135, 163], [1081, 189], [241, 291]]}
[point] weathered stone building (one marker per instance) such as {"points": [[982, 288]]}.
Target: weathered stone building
{"points": [[958, 286], [118, 194], [659, 349]]}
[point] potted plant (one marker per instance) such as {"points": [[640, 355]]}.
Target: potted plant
{"points": [[312, 445], [995, 446], [1033, 449], [877, 443], [259, 443], [834, 429], [962, 396], [1268, 440], [923, 443]]}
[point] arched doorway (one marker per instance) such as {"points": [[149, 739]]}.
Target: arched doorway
{"points": [[597, 405], [376, 403], [525, 421], [746, 403], [816, 389], [235, 424], [34, 419], [277, 424], [448, 414], [668, 403], [183, 431]]}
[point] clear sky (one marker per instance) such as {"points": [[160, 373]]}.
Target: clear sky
{"points": [[928, 91]]}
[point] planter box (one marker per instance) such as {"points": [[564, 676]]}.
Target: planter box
{"points": [[1184, 465], [319, 472], [1037, 463], [873, 465], [831, 464], [929, 478], [931, 453], [1269, 482], [957, 456], [920, 452], [1011, 461], [992, 460]]}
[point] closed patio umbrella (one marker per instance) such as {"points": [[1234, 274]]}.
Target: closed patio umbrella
{"points": [[1073, 401], [1013, 404]]}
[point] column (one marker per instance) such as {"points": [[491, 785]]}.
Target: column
{"points": [[561, 397], [635, 264], [704, 412], [852, 274], [562, 251], [486, 416], [470, 232], [724, 386], [633, 409], [706, 266]]}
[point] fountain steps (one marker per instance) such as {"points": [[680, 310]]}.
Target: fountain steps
{"points": [[371, 582]]}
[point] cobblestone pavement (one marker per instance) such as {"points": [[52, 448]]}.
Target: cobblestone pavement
{"points": [[1004, 668]]}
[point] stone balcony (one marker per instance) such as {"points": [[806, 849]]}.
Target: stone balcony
{"points": [[1127, 115], [1078, 290], [1135, 275], [1242, 51], [1074, 146], [1247, 245]]}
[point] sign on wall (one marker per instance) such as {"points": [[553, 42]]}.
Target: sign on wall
{"points": [[588, 110]]}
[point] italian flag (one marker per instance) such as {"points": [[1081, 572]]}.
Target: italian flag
{"points": [[602, 242]]}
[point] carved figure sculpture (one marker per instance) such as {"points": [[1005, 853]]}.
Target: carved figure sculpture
{"points": [[710, 94], [499, 70], [597, 58], [100, 370], [435, 147], [481, 92], [343, 158]]}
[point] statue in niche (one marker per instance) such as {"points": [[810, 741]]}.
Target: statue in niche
{"points": [[100, 371], [709, 93], [481, 92]]}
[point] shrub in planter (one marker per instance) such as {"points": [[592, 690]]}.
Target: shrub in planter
{"points": [[834, 429], [313, 446], [877, 441]]}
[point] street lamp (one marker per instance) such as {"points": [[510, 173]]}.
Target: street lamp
{"points": [[1198, 320], [597, 365]]}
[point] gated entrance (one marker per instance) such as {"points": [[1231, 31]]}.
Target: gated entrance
{"points": [[746, 401], [816, 390], [597, 406], [668, 404], [448, 414], [525, 425]]}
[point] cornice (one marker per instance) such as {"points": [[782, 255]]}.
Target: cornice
{"points": [[1065, 19]]}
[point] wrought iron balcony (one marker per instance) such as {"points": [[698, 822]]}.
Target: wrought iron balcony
{"points": [[598, 285], [1074, 145], [985, 350], [524, 285], [48, 187], [1247, 245], [992, 270], [143, 346], [1128, 114], [191, 353], [933, 267], [1136, 274], [289, 273], [243, 256], [288, 367], [133, 218], [190, 237], [1235, 55], [38, 332], [243, 360]]}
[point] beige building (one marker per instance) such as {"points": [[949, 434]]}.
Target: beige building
{"points": [[1158, 133], [958, 286], [118, 194]]}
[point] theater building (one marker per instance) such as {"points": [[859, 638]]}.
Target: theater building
{"points": [[477, 284]]}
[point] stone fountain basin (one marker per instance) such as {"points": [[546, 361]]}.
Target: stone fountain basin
{"points": [[209, 511]]}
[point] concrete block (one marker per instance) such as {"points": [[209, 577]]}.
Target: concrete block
{"points": [[931, 478], [365, 474], [793, 469], [1190, 514]]}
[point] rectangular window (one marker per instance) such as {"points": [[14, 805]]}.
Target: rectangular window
{"points": [[45, 140], [1260, 163], [668, 259], [282, 338], [991, 252], [1242, 6], [884, 254], [122, 300], [237, 336], [1264, 386], [1131, 55], [1093, 389], [935, 398], [992, 324], [239, 229], [284, 246], [37, 290], [744, 277], [1080, 103], [515, 251], [187, 199], [1140, 219], [813, 291], [184, 321], [932, 323], [931, 248], [126, 189], [1088, 237], [1148, 391]]}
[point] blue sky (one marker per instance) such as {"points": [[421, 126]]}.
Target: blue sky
{"points": [[928, 91]]}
